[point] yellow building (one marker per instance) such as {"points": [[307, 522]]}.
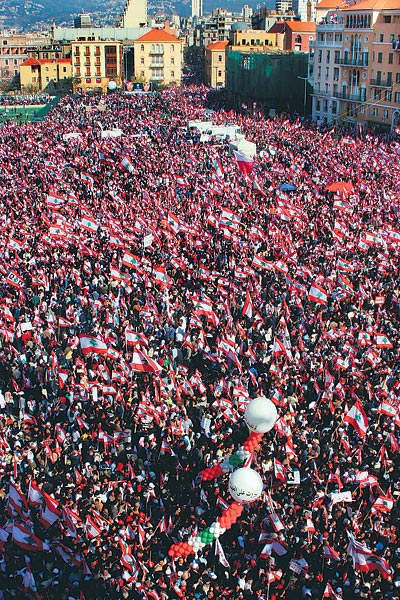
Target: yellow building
{"points": [[253, 40], [95, 63], [215, 64], [158, 57], [52, 76], [369, 84]]}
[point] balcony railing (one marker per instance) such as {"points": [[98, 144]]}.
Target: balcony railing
{"points": [[156, 52], [352, 61], [351, 97], [381, 83]]}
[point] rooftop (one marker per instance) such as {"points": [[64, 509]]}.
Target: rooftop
{"points": [[157, 35]]}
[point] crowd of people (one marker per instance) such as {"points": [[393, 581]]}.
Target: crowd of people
{"points": [[151, 285], [25, 100]]}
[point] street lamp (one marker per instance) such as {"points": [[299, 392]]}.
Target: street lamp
{"points": [[305, 79]]}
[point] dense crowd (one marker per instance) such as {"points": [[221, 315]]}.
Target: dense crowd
{"points": [[149, 289]]}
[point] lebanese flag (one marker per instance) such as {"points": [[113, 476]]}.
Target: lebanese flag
{"points": [[55, 201], [62, 377], [386, 408], [15, 280], [357, 418], [141, 534], [87, 178], [382, 341], [60, 434], [364, 560], [135, 339], [160, 276], [130, 260], [16, 499], [127, 165], [63, 322], [259, 261], [330, 593], [276, 522], [274, 546], [69, 521], [91, 529], [244, 162], [317, 294], [22, 537], [173, 222], [279, 470], [89, 225], [50, 514], [90, 343], [331, 553], [217, 168], [144, 364], [383, 504], [258, 189], [16, 244], [247, 310], [35, 495]]}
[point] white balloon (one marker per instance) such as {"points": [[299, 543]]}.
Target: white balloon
{"points": [[112, 86], [260, 415], [245, 485], [243, 454]]}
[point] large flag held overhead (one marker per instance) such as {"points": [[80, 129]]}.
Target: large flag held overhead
{"points": [[143, 363], [25, 539], [364, 560], [244, 162]]}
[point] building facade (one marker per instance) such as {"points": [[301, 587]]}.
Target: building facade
{"points": [[158, 58], [215, 64], [52, 76], [135, 14], [197, 8], [298, 35], [95, 63], [14, 48], [362, 86]]}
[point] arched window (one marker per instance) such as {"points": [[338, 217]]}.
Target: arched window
{"points": [[172, 48], [142, 48], [298, 39]]}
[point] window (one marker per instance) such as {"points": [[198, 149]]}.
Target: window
{"points": [[142, 61], [6, 62], [390, 58], [387, 19], [318, 105], [397, 77], [319, 72], [328, 57], [385, 113], [15, 61], [172, 48], [172, 61], [142, 48], [219, 73], [141, 73], [319, 56], [327, 73], [381, 38], [388, 96], [334, 109], [336, 74], [219, 57], [172, 73], [64, 69], [380, 59], [389, 79], [397, 97], [337, 56], [375, 112], [47, 80]]}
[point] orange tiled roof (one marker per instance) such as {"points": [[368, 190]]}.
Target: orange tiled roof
{"points": [[374, 5], [157, 35], [30, 62], [328, 4], [217, 45], [308, 26]]}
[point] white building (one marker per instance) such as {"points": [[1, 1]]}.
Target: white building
{"points": [[197, 8], [305, 9], [247, 13], [324, 69], [135, 14]]}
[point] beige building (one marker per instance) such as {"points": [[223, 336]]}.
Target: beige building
{"points": [[135, 14], [215, 64], [253, 40], [95, 63], [158, 57], [14, 48], [52, 76]]}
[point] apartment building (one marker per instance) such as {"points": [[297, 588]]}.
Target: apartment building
{"points": [[95, 63], [14, 48], [215, 64], [52, 76], [362, 86], [158, 57]]}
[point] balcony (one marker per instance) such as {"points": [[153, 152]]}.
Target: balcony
{"points": [[351, 97], [156, 52], [325, 44], [157, 66], [331, 26], [350, 61], [381, 83]]}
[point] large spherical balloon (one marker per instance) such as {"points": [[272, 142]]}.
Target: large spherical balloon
{"points": [[260, 415], [112, 86], [245, 485]]}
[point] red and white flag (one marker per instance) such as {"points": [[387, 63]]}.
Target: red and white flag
{"points": [[317, 294], [357, 418], [244, 162], [24, 538], [143, 363], [90, 343], [247, 310]]}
